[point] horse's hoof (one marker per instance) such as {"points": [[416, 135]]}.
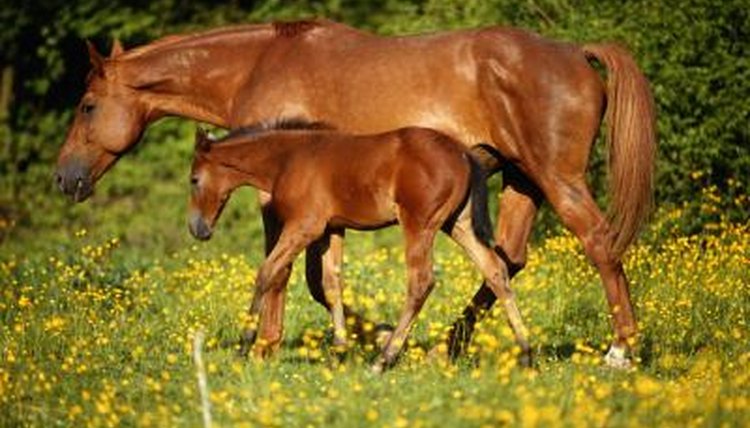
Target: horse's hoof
{"points": [[617, 359], [525, 359], [243, 349]]}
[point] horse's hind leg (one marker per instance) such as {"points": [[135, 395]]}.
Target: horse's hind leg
{"points": [[420, 283], [495, 272], [574, 203], [323, 274]]}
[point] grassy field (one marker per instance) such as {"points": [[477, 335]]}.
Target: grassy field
{"points": [[94, 335]]}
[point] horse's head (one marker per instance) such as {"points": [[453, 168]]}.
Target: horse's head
{"points": [[210, 189], [109, 120]]}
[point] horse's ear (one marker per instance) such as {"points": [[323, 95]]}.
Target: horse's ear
{"points": [[97, 60], [202, 142], [117, 48]]}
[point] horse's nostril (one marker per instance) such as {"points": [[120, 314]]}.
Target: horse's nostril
{"points": [[59, 180]]}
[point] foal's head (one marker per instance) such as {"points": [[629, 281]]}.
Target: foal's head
{"points": [[210, 188]]}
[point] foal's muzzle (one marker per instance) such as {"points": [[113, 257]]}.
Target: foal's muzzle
{"points": [[198, 227]]}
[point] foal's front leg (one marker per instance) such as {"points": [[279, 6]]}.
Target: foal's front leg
{"points": [[271, 282], [272, 326], [322, 274]]}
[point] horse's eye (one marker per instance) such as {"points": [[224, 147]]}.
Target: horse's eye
{"points": [[193, 181], [87, 108]]}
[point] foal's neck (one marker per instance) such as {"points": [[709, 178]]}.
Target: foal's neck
{"points": [[257, 161]]}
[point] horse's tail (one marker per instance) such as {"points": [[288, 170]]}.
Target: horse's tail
{"points": [[480, 214], [631, 142]]}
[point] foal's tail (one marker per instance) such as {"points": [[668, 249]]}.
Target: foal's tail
{"points": [[480, 214], [631, 142]]}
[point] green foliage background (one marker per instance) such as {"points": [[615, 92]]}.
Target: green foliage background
{"points": [[695, 53]]}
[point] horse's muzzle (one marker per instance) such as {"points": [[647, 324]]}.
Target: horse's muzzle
{"points": [[198, 227], [75, 181]]}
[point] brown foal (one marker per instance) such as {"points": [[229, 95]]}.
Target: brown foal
{"points": [[322, 181], [536, 103]]}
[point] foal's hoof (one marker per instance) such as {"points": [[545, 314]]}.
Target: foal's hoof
{"points": [[617, 359], [379, 367], [383, 333], [340, 350], [264, 350], [438, 353]]}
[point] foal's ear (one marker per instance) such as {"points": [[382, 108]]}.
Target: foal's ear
{"points": [[117, 49], [97, 60], [202, 141]]}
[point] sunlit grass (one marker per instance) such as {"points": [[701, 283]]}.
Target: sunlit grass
{"points": [[86, 341]]}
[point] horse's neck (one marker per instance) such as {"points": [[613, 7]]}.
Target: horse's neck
{"points": [[195, 77], [200, 76], [258, 161]]}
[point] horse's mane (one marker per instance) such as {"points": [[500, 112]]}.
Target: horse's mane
{"points": [[281, 29], [295, 28], [173, 39], [287, 124]]}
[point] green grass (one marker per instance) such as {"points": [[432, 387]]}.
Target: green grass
{"points": [[93, 334], [96, 328]]}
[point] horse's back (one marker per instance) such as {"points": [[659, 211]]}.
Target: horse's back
{"points": [[443, 80]]}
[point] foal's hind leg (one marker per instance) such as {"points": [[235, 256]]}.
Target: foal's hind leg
{"points": [[579, 212], [519, 203], [420, 283], [496, 277]]}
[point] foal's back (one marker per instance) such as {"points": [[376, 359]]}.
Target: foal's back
{"points": [[362, 181]]}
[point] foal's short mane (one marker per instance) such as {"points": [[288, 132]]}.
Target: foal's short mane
{"points": [[291, 124]]}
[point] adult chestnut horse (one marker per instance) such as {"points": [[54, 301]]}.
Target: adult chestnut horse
{"points": [[536, 104]]}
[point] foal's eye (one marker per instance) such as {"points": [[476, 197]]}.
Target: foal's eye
{"points": [[87, 108], [194, 181]]}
